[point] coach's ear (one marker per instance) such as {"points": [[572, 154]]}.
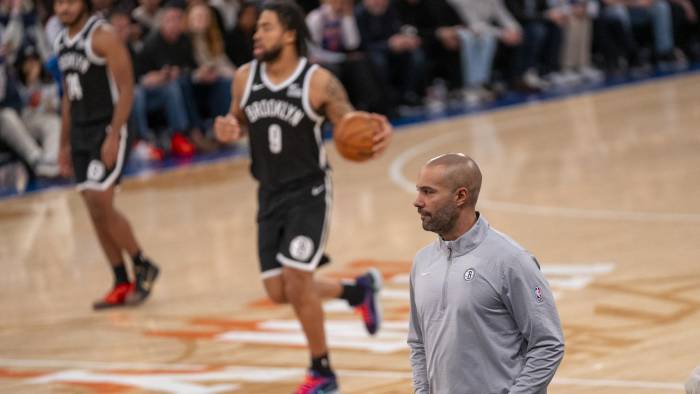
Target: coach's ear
{"points": [[461, 196]]}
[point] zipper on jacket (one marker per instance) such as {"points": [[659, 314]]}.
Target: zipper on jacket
{"points": [[444, 282]]}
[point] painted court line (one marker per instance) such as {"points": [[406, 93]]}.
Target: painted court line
{"points": [[627, 384], [95, 365], [396, 175], [184, 380]]}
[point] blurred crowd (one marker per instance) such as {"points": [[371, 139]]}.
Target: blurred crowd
{"points": [[392, 56]]}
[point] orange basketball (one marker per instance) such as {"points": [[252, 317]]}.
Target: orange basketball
{"points": [[354, 135]]}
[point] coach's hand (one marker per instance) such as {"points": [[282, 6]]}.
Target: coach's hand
{"points": [[227, 129], [109, 149], [382, 136]]}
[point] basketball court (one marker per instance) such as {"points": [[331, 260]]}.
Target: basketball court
{"points": [[603, 188]]}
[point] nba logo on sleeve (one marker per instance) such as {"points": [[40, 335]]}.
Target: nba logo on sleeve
{"points": [[539, 297]]}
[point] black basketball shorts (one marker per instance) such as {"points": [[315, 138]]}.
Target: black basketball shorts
{"points": [[293, 234], [90, 172]]}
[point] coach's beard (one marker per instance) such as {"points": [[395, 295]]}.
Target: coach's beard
{"points": [[441, 221]]}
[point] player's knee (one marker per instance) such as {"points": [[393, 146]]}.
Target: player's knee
{"points": [[274, 287], [99, 211], [277, 295], [296, 284]]}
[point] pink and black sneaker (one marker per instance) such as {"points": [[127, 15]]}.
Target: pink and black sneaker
{"points": [[315, 383], [370, 309]]}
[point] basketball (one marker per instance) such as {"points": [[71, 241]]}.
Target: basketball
{"points": [[354, 135]]}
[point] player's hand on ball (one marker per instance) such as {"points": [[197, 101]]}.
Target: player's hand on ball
{"points": [[227, 129], [382, 136]]}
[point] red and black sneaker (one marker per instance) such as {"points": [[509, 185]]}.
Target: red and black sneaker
{"points": [[315, 383], [145, 276], [370, 309], [116, 297]]}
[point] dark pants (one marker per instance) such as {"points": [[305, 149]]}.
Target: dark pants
{"points": [[541, 47], [358, 77], [403, 73]]}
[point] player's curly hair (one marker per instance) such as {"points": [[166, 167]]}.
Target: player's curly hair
{"points": [[291, 17]]}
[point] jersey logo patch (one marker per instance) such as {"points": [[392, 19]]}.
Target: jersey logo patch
{"points": [[539, 296], [469, 274], [294, 90], [301, 248], [257, 86]]}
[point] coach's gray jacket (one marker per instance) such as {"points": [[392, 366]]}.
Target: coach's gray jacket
{"points": [[483, 319]]}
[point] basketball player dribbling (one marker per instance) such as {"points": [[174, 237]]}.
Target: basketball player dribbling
{"points": [[280, 101], [98, 92]]}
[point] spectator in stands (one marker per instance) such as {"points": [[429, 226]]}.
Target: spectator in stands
{"points": [[239, 40], [147, 15], [214, 71], [334, 32], [216, 14], [686, 26], [540, 53], [15, 134], [616, 44], [395, 50], [13, 131], [438, 25], [33, 33], [578, 39], [229, 10], [641, 13], [145, 147], [102, 7], [40, 114], [32, 29], [488, 22], [165, 66]]}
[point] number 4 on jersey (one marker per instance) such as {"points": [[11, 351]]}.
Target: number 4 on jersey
{"points": [[75, 91]]}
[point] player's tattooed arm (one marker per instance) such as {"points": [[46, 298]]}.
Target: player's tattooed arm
{"points": [[336, 103]]}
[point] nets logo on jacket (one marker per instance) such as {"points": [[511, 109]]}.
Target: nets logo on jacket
{"points": [[469, 274]]}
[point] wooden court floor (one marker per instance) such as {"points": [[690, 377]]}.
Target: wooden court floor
{"points": [[603, 188]]}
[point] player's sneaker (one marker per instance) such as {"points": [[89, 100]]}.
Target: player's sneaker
{"points": [[115, 297], [145, 277], [315, 383], [371, 312]]}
